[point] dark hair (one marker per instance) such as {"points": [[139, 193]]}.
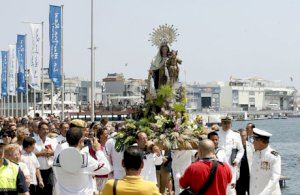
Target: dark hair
{"points": [[100, 131], [241, 130], [264, 139], [73, 136], [42, 123], [252, 125], [62, 124], [28, 141], [9, 133], [133, 158], [212, 134], [161, 47], [104, 120]]}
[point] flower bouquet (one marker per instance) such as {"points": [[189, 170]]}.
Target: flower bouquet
{"points": [[165, 121]]}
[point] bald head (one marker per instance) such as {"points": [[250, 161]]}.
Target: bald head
{"points": [[206, 148]]}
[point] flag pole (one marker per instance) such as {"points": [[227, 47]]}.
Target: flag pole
{"points": [[17, 106], [92, 64], [34, 101], [42, 53], [3, 102], [22, 107], [52, 97], [62, 65], [8, 112]]}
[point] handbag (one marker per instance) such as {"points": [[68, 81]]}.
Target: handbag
{"points": [[207, 184]]}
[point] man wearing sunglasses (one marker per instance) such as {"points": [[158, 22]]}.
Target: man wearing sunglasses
{"points": [[266, 166]]}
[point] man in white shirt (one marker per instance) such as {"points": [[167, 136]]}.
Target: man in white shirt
{"points": [[115, 158], [81, 181], [44, 150], [231, 143], [249, 128], [152, 157], [219, 152], [61, 138]]}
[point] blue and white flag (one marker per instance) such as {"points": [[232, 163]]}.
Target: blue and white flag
{"points": [[4, 55], [21, 63], [55, 45], [36, 57], [12, 70]]}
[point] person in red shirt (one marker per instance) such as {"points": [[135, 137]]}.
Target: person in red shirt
{"points": [[197, 173]]}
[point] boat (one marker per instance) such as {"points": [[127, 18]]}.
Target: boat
{"points": [[69, 107]]}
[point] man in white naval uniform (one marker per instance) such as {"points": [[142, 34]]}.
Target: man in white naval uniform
{"points": [[266, 166], [231, 142]]}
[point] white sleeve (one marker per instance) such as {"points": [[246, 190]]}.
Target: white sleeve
{"points": [[240, 148], [106, 168], [57, 150], [109, 146], [221, 156], [36, 162]]}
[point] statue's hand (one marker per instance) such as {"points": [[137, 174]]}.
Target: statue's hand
{"points": [[179, 61]]}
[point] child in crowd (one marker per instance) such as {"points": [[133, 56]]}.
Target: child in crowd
{"points": [[29, 158]]}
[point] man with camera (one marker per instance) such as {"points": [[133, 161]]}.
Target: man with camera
{"points": [[206, 175]]}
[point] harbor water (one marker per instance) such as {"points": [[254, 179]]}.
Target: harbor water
{"points": [[286, 140]]}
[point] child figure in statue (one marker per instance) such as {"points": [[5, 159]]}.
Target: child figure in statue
{"points": [[172, 66]]}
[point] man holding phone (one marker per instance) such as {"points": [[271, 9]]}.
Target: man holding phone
{"points": [[44, 150]]}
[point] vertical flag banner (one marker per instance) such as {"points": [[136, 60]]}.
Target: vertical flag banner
{"points": [[55, 45], [36, 56], [4, 55], [12, 70], [21, 63]]}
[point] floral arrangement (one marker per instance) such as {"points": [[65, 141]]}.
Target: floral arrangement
{"points": [[165, 120]]}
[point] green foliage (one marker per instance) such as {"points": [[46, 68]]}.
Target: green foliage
{"points": [[179, 107], [166, 92], [165, 121]]}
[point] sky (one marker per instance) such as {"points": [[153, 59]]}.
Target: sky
{"points": [[218, 39]]}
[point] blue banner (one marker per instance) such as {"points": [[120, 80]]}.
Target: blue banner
{"points": [[21, 87], [4, 55], [55, 45]]}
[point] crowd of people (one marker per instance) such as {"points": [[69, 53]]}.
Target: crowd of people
{"points": [[49, 156]]}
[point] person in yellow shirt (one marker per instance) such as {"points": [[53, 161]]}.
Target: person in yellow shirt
{"points": [[132, 183]]}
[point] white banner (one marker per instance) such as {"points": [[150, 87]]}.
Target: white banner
{"points": [[12, 70], [36, 56]]}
